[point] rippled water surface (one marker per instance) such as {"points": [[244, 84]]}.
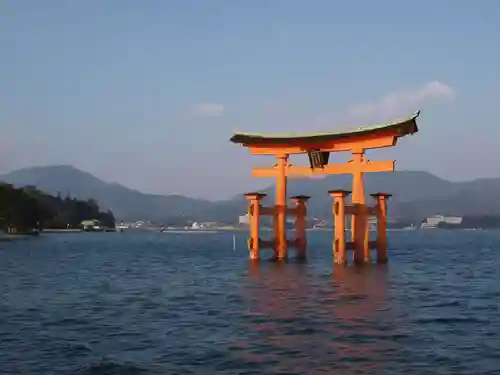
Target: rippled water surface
{"points": [[124, 303]]}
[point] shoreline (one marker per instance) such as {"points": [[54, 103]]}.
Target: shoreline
{"points": [[61, 231]]}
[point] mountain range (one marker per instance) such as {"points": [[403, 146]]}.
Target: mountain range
{"points": [[416, 194]]}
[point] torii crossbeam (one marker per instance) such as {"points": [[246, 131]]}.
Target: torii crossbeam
{"points": [[318, 147]]}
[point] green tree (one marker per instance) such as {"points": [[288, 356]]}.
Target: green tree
{"points": [[24, 209]]}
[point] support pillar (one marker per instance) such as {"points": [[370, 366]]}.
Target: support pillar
{"points": [[381, 209], [300, 225], [339, 243], [280, 247], [254, 216], [359, 222]]}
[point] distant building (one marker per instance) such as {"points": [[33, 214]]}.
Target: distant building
{"points": [[244, 219], [123, 225], [453, 219], [209, 224], [90, 224], [372, 223], [435, 220]]}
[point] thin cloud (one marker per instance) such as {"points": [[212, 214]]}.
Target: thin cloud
{"points": [[395, 103], [392, 105], [208, 110]]}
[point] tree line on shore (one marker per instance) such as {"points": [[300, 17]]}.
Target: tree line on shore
{"points": [[27, 209]]}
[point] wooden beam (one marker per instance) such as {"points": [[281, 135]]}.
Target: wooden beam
{"points": [[267, 211], [348, 168], [330, 146], [352, 210]]}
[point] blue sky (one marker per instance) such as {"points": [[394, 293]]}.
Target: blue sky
{"points": [[147, 93]]}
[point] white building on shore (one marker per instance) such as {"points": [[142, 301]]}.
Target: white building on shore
{"points": [[434, 221], [244, 219]]}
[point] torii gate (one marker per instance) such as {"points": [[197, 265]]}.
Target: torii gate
{"points": [[318, 146]]}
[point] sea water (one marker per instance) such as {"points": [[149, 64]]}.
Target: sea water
{"points": [[167, 303]]}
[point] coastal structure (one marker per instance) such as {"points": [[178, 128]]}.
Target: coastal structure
{"points": [[244, 219], [433, 222], [91, 224], [318, 147]]}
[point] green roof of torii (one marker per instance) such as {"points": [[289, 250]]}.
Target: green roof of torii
{"points": [[402, 126]]}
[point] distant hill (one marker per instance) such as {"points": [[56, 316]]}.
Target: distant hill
{"points": [[416, 195], [125, 203]]}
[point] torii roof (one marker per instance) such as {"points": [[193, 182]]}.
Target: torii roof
{"points": [[398, 128]]}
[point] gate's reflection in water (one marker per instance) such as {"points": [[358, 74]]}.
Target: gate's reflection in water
{"points": [[304, 323]]}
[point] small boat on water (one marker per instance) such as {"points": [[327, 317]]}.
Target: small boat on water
{"points": [[194, 228], [189, 231]]}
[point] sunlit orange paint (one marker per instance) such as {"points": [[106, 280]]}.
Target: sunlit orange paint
{"points": [[356, 142], [339, 243], [300, 225], [254, 216]]}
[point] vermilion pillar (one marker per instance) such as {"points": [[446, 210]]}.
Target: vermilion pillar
{"points": [[359, 222], [280, 250], [339, 244], [254, 216], [300, 225], [381, 210]]}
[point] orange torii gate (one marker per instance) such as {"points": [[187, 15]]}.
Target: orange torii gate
{"points": [[318, 147]]}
